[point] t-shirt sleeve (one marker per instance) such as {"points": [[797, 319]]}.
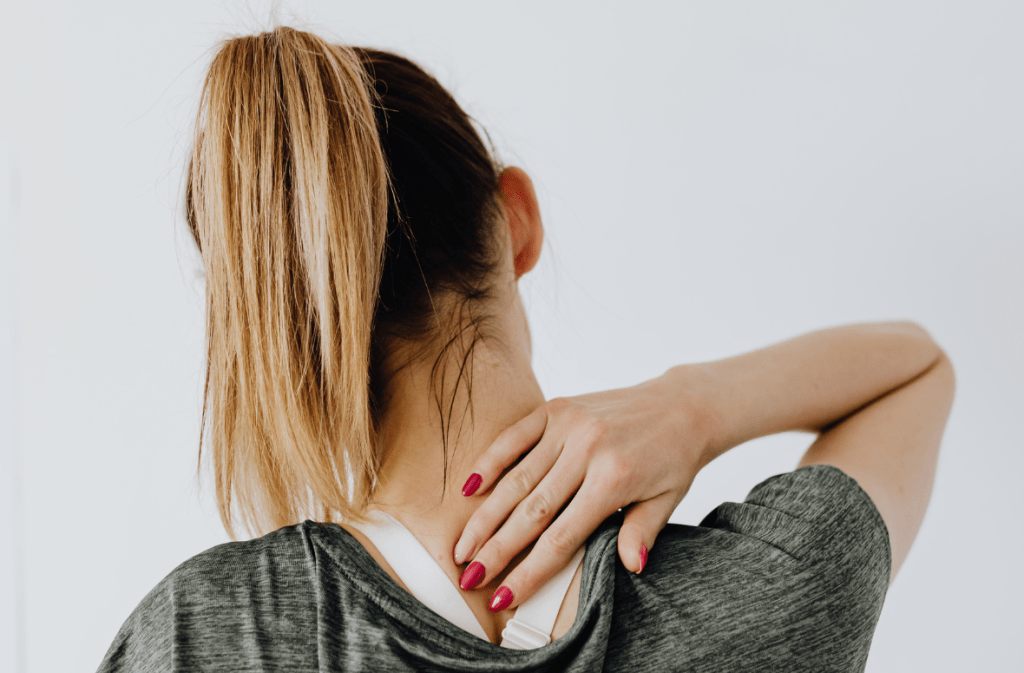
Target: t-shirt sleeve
{"points": [[240, 606], [144, 642], [813, 547], [816, 514]]}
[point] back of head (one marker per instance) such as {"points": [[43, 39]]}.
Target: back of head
{"points": [[340, 199]]}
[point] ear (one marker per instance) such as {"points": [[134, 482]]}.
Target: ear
{"points": [[523, 215]]}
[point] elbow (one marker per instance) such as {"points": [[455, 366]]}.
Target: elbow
{"points": [[923, 340], [945, 367], [940, 358], [912, 329]]}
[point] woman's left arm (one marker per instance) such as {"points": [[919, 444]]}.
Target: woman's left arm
{"points": [[641, 447]]}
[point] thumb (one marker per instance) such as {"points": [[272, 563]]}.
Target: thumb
{"points": [[644, 520]]}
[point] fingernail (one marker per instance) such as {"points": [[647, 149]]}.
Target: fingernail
{"points": [[472, 484], [502, 599], [474, 573], [643, 558]]}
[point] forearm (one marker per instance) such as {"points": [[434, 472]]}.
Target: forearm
{"points": [[806, 383]]}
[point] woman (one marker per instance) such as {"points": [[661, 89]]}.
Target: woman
{"points": [[369, 369]]}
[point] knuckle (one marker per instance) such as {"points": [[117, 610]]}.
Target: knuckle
{"points": [[619, 466], [614, 475], [494, 549], [513, 435], [559, 405], [597, 429], [537, 509], [579, 416], [520, 483], [593, 434], [559, 542]]}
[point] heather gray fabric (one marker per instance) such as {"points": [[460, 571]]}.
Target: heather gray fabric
{"points": [[793, 579]]}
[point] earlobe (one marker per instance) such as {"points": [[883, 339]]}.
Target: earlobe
{"points": [[523, 214]]}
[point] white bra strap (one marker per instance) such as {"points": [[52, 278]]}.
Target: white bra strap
{"points": [[528, 629], [419, 571], [531, 626]]}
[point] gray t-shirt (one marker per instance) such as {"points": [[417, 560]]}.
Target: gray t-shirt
{"points": [[792, 579]]}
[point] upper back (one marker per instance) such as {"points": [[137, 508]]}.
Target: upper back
{"points": [[792, 579]]}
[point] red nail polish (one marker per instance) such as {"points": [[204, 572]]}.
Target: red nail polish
{"points": [[502, 599], [472, 484], [643, 558], [474, 573]]}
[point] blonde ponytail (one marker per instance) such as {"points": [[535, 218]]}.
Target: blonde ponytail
{"points": [[287, 200]]}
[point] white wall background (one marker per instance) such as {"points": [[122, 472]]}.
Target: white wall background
{"points": [[714, 177], [10, 493]]}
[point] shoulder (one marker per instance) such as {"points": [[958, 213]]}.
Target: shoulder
{"points": [[796, 572], [816, 514], [218, 601], [252, 564]]}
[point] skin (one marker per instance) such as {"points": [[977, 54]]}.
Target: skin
{"points": [[504, 391], [876, 395]]}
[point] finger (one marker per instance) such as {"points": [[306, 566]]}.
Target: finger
{"points": [[528, 520], [511, 491], [556, 547], [640, 528], [506, 448]]}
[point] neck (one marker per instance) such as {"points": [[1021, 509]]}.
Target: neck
{"points": [[413, 483]]}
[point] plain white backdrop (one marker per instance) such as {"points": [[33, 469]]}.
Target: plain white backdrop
{"points": [[714, 177]]}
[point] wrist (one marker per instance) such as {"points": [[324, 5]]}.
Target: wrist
{"points": [[691, 388]]}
